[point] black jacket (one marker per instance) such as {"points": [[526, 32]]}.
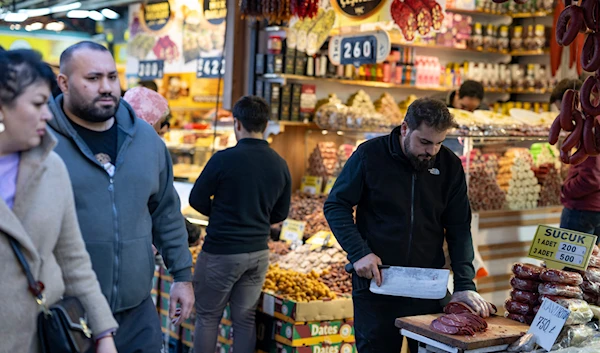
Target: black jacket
{"points": [[402, 214]]}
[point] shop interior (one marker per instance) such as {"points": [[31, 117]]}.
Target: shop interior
{"points": [[336, 74]]}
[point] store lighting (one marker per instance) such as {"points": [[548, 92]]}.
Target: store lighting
{"points": [[55, 26], [36, 12], [65, 8], [15, 17], [96, 16], [34, 26], [78, 14], [110, 14]]}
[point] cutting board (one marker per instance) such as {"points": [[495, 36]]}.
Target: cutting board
{"points": [[500, 331]]}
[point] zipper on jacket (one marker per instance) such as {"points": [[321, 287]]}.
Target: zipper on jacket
{"points": [[111, 189], [412, 216]]}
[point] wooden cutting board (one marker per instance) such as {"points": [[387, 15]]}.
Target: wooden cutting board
{"points": [[500, 331]]}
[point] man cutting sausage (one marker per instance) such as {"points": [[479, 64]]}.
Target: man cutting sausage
{"points": [[410, 192]]}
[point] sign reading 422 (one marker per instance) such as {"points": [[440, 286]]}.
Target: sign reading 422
{"points": [[210, 67]]}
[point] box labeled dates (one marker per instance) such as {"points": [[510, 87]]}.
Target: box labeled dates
{"points": [[311, 333], [317, 348]]}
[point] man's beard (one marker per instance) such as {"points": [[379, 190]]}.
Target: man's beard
{"points": [[92, 113], [418, 165]]}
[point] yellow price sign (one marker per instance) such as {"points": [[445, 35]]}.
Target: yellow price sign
{"points": [[292, 231], [320, 239], [312, 184], [329, 185], [562, 247]]}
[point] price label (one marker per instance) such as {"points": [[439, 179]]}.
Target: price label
{"points": [[562, 247], [329, 185], [292, 231], [548, 323], [311, 184], [210, 67], [360, 48], [322, 238], [151, 69]]}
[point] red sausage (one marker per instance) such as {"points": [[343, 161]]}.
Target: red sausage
{"points": [[590, 56], [589, 139], [554, 131], [562, 290], [515, 307], [578, 157], [569, 24], [575, 136], [524, 296], [566, 110], [565, 156], [559, 276], [591, 14], [524, 284], [586, 94], [527, 271], [526, 319]]}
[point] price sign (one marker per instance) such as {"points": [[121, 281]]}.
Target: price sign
{"points": [[562, 247], [321, 239], [150, 69], [292, 231], [311, 184], [548, 323], [210, 67], [329, 185], [360, 48]]}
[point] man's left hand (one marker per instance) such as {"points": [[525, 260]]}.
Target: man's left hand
{"points": [[182, 293], [475, 301]]}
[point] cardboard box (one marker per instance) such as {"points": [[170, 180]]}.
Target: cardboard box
{"points": [[286, 102], [187, 334], [265, 332], [224, 348], [300, 67], [226, 331], [317, 348], [311, 333], [274, 64], [291, 311]]}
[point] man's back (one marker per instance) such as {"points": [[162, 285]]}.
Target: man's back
{"points": [[251, 187]]}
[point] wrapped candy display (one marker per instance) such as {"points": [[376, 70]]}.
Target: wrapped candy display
{"points": [[323, 161], [550, 181], [516, 178], [484, 192]]}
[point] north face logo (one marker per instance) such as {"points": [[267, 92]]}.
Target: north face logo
{"points": [[434, 171]]}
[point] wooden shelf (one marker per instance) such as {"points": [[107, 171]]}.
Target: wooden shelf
{"points": [[539, 52], [397, 39], [504, 15], [532, 14]]}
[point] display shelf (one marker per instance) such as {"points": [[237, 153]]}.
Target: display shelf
{"points": [[478, 13], [532, 14], [539, 52], [275, 29], [398, 40]]}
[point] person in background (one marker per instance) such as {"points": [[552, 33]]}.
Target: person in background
{"points": [[243, 190], [409, 190], [468, 97], [580, 193], [123, 184], [149, 106], [559, 91], [37, 210]]}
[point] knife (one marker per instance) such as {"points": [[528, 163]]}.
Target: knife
{"points": [[410, 282]]}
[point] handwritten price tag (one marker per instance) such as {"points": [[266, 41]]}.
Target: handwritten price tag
{"points": [[292, 231], [562, 247], [548, 323], [312, 184]]}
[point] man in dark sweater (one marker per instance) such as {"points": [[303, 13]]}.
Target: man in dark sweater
{"points": [[468, 97], [409, 190], [243, 190]]}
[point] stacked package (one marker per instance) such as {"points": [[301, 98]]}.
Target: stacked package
{"points": [[516, 178], [565, 289], [524, 297], [386, 106], [484, 192], [323, 160], [591, 279], [550, 181]]}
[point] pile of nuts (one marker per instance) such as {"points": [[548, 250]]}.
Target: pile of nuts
{"points": [[296, 286], [309, 208], [338, 280], [304, 260], [551, 183], [277, 249]]}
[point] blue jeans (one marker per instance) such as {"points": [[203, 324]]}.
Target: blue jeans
{"points": [[581, 221]]}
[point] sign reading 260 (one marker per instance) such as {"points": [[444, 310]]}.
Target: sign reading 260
{"points": [[359, 49], [210, 67]]}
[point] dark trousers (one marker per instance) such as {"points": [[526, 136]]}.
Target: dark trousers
{"points": [[139, 329], [581, 221], [375, 316]]}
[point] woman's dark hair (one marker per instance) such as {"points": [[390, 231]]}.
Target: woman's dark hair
{"points": [[559, 91], [19, 69], [193, 231], [471, 89], [252, 112], [431, 112]]}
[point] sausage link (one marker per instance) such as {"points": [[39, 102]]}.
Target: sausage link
{"points": [[524, 296], [524, 284], [554, 131], [562, 290], [527, 271], [590, 56], [591, 83], [569, 24], [566, 110], [589, 138], [559, 276], [574, 137], [515, 307]]}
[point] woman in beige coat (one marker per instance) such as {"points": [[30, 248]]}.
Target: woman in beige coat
{"points": [[38, 211]]}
